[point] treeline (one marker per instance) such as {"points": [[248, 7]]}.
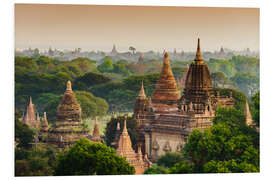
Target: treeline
{"points": [[117, 82]]}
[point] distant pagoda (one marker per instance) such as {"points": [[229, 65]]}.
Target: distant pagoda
{"points": [[96, 135], [68, 127], [222, 52], [114, 51], [140, 60]]}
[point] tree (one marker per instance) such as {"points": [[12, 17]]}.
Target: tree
{"points": [[89, 79], [170, 159], [106, 66], [89, 158], [23, 134], [154, 169], [246, 82], [37, 161], [255, 108], [91, 105], [133, 49], [219, 78]]}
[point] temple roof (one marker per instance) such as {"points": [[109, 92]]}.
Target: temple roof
{"points": [[124, 143], [69, 107], [166, 88], [198, 77]]}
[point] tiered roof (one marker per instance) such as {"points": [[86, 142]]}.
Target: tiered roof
{"points": [[166, 89]]}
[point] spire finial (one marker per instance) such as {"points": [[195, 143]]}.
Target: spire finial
{"points": [[142, 93], [30, 102], [69, 86], [198, 53], [125, 126], [118, 126]]}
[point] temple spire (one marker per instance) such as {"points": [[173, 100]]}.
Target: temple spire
{"points": [[96, 134], [198, 53], [248, 115], [45, 122], [142, 93], [118, 126], [69, 86], [125, 127]]}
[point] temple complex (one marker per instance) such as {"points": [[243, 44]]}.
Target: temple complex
{"points": [[165, 120], [124, 148], [68, 127], [30, 118]]}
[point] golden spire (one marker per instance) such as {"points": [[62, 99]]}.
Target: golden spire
{"points": [[142, 93], [125, 127], [45, 122], [30, 102], [198, 53], [69, 86], [96, 131]]}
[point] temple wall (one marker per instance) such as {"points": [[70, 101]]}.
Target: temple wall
{"points": [[162, 139]]}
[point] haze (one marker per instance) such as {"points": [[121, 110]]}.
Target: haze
{"points": [[93, 27]]}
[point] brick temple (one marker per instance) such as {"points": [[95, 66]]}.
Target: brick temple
{"points": [[68, 127], [166, 119], [124, 148]]}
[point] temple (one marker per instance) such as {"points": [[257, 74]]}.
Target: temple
{"points": [[96, 135], [30, 118], [124, 148], [114, 51], [140, 60], [165, 120], [221, 52], [68, 127]]}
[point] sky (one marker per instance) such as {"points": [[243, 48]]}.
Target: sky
{"points": [[93, 27]]}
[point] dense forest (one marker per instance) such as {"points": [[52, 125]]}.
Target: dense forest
{"points": [[113, 85]]}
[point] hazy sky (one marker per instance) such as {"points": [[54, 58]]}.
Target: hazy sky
{"points": [[144, 27]]}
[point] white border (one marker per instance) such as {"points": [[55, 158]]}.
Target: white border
{"points": [[7, 79]]}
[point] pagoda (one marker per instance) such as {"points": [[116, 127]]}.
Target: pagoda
{"points": [[114, 51], [44, 124], [68, 127], [166, 91], [140, 60], [96, 135], [221, 52], [124, 149], [31, 119]]}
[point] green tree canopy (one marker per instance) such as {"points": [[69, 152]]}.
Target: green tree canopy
{"points": [[247, 83], [88, 158], [23, 134], [106, 66], [255, 108], [91, 106]]}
